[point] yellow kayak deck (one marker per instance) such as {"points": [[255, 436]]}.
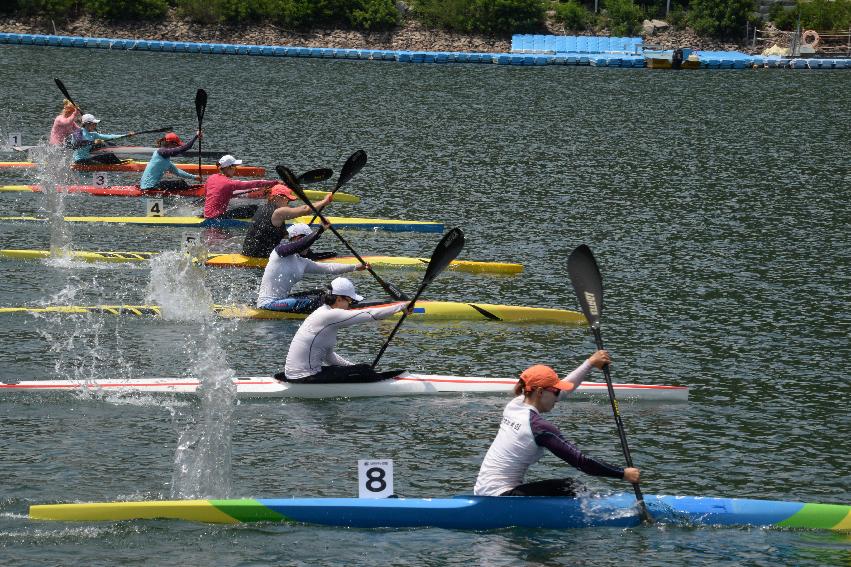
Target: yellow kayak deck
{"points": [[200, 222], [423, 311], [240, 261]]}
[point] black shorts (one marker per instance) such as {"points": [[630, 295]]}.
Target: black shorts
{"points": [[357, 373]]}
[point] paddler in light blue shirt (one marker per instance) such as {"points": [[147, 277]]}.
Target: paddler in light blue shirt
{"points": [[169, 146], [83, 140]]}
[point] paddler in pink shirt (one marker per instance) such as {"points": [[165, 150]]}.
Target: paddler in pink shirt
{"points": [[65, 124], [220, 188]]}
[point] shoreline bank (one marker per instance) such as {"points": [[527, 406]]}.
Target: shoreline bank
{"points": [[411, 36]]}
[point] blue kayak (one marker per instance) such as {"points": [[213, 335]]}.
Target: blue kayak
{"points": [[468, 512]]}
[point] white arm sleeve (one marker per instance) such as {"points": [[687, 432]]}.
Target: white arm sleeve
{"points": [[312, 267]]}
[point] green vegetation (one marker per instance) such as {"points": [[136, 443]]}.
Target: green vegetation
{"points": [[823, 15], [716, 18], [720, 18], [126, 9], [484, 16]]}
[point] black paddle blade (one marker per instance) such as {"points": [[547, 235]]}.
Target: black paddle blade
{"points": [[315, 175], [354, 164], [200, 104], [62, 88], [290, 180], [447, 250], [587, 283]]}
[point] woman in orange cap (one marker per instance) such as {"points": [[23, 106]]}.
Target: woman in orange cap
{"points": [[268, 228], [524, 434], [168, 147]]}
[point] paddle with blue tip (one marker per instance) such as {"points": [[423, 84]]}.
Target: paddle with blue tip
{"points": [[588, 285], [447, 250], [292, 182]]}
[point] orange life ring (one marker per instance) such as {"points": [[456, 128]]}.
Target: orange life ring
{"points": [[810, 38]]}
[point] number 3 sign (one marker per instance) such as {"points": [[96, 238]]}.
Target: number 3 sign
{"points": [[375, 478]]}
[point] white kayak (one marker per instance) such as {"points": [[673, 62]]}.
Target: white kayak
{"points": [[406, 384]]}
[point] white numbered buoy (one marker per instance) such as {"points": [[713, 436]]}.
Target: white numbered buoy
{"points": [[100, 179], [15, 139], [375, 478], [153, 207], [190, 240]]}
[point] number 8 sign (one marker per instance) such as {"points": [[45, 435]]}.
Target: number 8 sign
{"points": [[375, 478]]}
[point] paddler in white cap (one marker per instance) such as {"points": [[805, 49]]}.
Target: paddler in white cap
{"points": [[311, 358], [287, 266], [83, 140], [220, 188]]}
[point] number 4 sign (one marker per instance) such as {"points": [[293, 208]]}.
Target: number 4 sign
{"points": [[375, 478]]}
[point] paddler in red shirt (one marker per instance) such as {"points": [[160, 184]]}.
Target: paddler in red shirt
{"points": [[220, 188]]}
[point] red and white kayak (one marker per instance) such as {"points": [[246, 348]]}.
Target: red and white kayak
{"points": [[135, 191], [134, 152], [406, 384]]}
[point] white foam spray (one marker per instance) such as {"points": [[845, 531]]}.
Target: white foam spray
{"points": [[202, 463]]}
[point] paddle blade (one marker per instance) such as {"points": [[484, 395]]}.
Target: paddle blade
{"points": [[587, 283], [200, 104], [354, 164], [315, 175], [447, 250], [62, 88], [290, 180]]}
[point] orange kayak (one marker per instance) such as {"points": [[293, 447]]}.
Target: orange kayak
{"points": [[139, 166]]}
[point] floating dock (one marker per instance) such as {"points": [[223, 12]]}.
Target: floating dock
{"points": [[526, 50]]}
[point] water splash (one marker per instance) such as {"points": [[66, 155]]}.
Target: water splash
{"points": [[79, 342], [54, 174], [202, 463], [177, 286]]}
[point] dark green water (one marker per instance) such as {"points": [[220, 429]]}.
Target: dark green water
{"points": [[717, 204]]}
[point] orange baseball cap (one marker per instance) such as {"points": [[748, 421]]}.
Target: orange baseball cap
{"points": [[281, 189], [173, 138], [542, 376]]}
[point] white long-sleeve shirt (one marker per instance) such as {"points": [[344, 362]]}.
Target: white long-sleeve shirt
{"points": [[313, 344], [282, 273]]}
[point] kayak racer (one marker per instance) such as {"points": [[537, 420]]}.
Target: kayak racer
{"points": [[287, 266], [220, 188], [311, 358], [524, 434], [83, 140], [65, 124], [268, 227], [168, 146]]}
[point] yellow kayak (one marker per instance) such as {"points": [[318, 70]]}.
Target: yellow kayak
{"points": [[240, 261], [423, 311], [200, 222]]}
